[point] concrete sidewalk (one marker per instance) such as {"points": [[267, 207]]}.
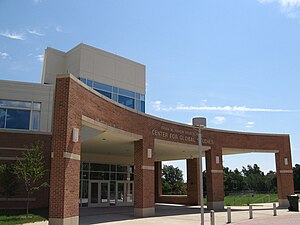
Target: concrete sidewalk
{"points": [[176, 214], [180, 215]]}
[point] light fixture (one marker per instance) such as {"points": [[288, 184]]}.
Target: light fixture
{"points": [[149, 153], [75, 135], [286, 162]]}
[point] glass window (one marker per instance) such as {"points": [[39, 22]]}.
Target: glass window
{"points": [[17, 115], [95, 175], [105, 93], [99, 176], [85, 166], [137, 95], [101, 86], [121, 168], [138, 105], [37, 106], [83, 80], [85, 175], [2, 118], [131, 176], [35, 120], [142, 106], [99, 167], [18, 119], [131, 170], [129, 102], [16, 104], [90, 83], [142, 97], [121, 176], [113, 176], [113, 167], [114, 97], [126, 92], [115, 89]]}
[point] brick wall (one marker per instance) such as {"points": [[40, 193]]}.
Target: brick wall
{"points": [[73, 99], [9, 142]]}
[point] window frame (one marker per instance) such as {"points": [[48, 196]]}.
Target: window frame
{"points": [[31, 110]]}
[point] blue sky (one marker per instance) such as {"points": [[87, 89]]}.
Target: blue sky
{"points": [[234, 62]]}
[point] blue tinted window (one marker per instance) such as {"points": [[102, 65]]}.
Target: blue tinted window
{"points": [[142, 106], [137, 95], [82, 79], [114, 97], [37, 106], [90, 83], [126, 92], [2, 117], [18, 119], [142, 97], [35, 120], [138, 105], [16, 104], [129, 102], [107, 94], [115, 89], [100, 86]]}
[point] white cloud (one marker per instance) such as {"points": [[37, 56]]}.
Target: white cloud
{"points": [[12, 35], [250, 124], [34, 32], [58, 29], [3, 55], [283, 3], [291, 8], [40, 58], [219, 120], [290, 3], [158, 106], [228, 109]]}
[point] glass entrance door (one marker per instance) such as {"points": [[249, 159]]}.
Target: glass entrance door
{"points": [[124, 193], [104, 193], [99, 193]]}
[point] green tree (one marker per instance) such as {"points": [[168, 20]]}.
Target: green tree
{"points": [[8, 181], [31, 170], [254, 178], [172, 181], [271, 182], [296, 171], [233, 181]]}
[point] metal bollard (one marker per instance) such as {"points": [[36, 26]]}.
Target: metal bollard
{"points": [[250, 212], [274, 209], [228, 214], [212, 217]]}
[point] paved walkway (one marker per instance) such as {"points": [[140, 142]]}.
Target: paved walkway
{"points": [[180, 215], [184, 215]]}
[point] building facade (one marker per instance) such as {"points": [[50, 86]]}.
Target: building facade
{"points": [[103, 150]]}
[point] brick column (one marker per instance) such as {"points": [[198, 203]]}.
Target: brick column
{"points": [[193, 181], [158, 181], [284, 171], [214, 178], [65, 160], [144, 193]]}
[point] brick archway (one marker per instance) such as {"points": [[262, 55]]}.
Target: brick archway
{"points": [[74, 100]]}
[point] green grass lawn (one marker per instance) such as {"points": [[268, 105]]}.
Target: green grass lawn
{"points": [[12, 217], [238, 200], [20, 219]]}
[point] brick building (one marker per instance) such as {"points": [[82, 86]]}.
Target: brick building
{"points": [[101, 149]]}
